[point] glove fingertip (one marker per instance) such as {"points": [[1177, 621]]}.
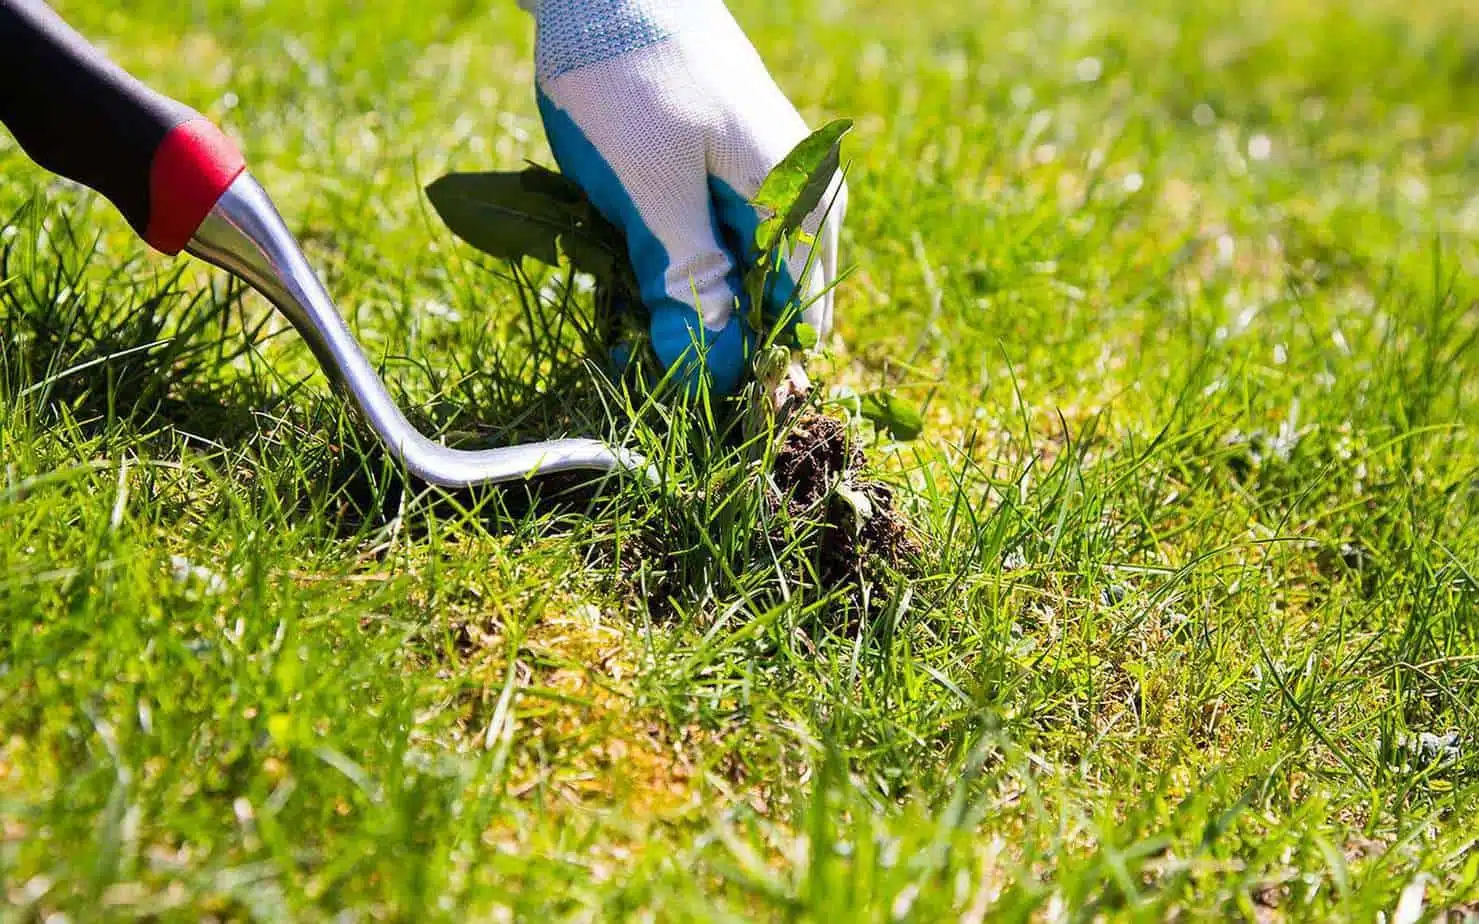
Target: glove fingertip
{"points": [[679, 338], [728, 357]]}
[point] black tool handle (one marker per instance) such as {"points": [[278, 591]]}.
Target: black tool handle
{"points": [[80, 115]]}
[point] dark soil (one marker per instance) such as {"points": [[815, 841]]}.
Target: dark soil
{"points": [[816, 455]]}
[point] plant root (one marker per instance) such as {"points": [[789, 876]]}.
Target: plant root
{"points": [[822, 476]]}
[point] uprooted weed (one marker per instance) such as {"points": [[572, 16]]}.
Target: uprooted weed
{"points": [[788, 515], [822, 475]]}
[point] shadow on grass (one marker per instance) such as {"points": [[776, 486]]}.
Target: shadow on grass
{"points": [[136, 355]]}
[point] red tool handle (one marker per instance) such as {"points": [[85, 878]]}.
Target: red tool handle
{"points": [[80, 115]]}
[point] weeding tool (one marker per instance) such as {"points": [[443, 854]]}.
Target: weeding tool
{"points": [[183, 185]]}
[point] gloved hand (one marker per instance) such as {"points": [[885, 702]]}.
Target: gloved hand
{"points": [[664, 113]]}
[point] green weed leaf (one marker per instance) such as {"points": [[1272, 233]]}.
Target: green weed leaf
{"points": [[796, 186], [859, 503], [806, 336], [532, 213], [901, 419]]}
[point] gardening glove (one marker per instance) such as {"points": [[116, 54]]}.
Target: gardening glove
{"points": [[662, 111]]}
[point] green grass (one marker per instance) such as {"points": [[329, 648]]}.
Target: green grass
{"points": [[1189, 292]]}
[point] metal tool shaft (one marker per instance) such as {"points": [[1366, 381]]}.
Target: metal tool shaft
{"points": [[245, 235]]}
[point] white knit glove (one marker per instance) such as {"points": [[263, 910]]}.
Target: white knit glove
{"points": [[664, 113]]}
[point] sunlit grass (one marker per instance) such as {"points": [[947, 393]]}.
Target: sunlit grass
{"points": [[1187, 293]]}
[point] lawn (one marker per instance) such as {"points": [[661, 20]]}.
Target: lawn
{"points": [[1187, 292]]}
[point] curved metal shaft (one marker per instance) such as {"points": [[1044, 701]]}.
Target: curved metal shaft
{"points": [[245, 235]]}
